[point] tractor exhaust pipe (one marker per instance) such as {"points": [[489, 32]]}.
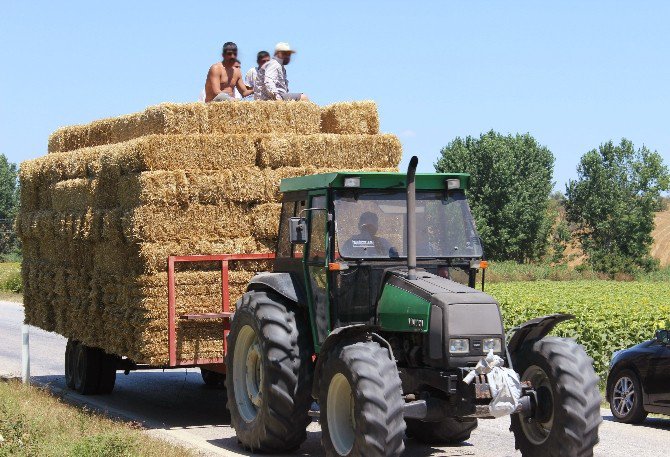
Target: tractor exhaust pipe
{"points": [[411, 219]]}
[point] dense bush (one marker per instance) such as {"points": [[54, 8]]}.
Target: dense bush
{"points": [[609, 315]]}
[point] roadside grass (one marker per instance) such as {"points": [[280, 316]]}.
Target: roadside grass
{"points": [[33, 422]]}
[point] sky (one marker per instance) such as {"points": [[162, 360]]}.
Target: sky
{"points": [[573, 74]]}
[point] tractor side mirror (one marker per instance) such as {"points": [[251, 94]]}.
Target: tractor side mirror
{"points": [[662, 336], [298, 230]]}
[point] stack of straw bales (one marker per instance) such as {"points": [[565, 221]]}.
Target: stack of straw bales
{"points": [[101, 213]]}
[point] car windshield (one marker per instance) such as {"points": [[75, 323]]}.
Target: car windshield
{"points": [[372, 225]]}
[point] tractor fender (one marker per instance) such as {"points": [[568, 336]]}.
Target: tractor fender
{"points": [[534, 330], [284, 284], [351, 333]]}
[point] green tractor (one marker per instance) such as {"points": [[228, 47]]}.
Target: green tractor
{"points": [[372, 314]]}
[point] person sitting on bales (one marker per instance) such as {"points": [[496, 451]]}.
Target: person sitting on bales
{"points": [[223, 77], [237, 66], [262, 58], [272, 83]]}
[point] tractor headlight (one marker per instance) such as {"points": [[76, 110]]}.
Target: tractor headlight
{"points": [[459, 346], [491, 344]]}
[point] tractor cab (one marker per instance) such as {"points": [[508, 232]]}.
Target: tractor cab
{"points": [[346, 234]]}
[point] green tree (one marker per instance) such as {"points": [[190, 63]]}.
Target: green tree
{"points": [[612, 204], [9, 197], [509, 192]]}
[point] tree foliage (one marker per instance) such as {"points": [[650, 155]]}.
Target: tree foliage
{"points": [[509, 192], [612, 204], [9, 197]]}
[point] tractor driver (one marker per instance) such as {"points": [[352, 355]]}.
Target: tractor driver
{"points": [[366, 243]]}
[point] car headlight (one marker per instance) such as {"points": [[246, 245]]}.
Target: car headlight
{"points": [[459, 346], [491, 344]]}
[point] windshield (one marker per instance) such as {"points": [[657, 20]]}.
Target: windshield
{"points": [[372, 225]]}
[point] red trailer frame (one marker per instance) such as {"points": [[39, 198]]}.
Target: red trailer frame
{"points": [[225, 313]]}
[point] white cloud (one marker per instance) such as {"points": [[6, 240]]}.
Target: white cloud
{"points": [[407, 134]]}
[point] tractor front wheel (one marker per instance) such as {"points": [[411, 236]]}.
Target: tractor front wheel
{"points": [[361, 402], [567, 414], [269, 373]]}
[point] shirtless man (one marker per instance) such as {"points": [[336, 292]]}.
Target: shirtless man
{"points": [[223, 77]]}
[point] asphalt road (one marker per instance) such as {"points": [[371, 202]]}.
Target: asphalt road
{"points": [[176, 406]]}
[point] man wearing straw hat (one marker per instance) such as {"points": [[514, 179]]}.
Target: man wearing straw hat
{"points": [[223, 77], [272, 82]]}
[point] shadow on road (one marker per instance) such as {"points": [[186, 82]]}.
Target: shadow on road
{"points": [[650, 422]]}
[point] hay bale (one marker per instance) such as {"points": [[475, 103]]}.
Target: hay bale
{"points": [[264, 220], [184, 152], [175, 223], [329, 151], [350, 118], [73, 194], [190, 118]]}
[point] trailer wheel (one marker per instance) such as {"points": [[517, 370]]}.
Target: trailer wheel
{"points": [[269, 373], [70, 362], [108, 364], [568, 411], [87, 369], [448, 431], [361, 402]]}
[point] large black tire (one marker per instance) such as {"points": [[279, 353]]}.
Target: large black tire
{"points": [[448, 431], [371, 424], [568, 412], [632, 412], [87, 369], [108, 364], [70, 362], [269, 404]]}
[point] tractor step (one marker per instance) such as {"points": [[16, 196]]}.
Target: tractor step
{"points": [[191, 317]]}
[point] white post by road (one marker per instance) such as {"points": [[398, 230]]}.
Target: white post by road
{"points": [[25, 354]]}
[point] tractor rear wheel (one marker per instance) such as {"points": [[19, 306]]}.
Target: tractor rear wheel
{"points": [[567, 414], [269, 372], [361, 402], [448, 431]]}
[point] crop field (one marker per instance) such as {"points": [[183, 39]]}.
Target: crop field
{"points": [[609, 315], [661, 247]]}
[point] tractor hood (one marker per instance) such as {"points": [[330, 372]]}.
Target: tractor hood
{"points": [[440, 308]]}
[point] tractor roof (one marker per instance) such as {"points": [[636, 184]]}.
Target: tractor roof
{"points": [[369, 180]]}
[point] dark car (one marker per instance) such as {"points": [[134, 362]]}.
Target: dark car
{"points": [[639, 380]]}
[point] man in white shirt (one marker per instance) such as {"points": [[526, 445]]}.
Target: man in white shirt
{"points": [[272, 81], [262, 58]]}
